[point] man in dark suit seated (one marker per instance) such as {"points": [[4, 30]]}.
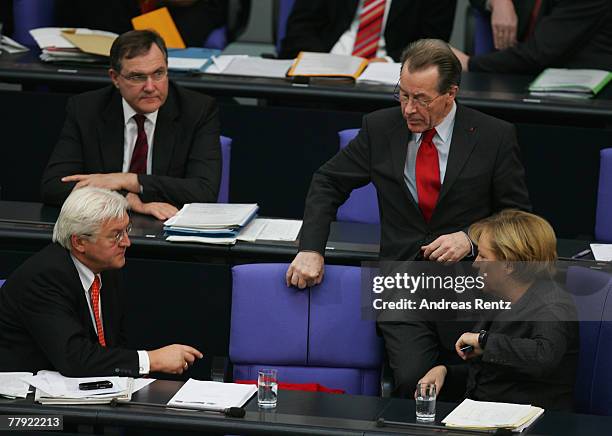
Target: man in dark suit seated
{"points": [[341, 26], [546, 33], [527, 354], [62, 309], [437, 167], [151, 139]]}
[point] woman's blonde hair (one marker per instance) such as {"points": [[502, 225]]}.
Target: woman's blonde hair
{"points": [[521, 237]]}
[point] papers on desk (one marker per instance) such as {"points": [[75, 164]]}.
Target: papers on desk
{"points": [[12, 386], [239, 65], [54, 388], [602, 252], [381, 72], [11, 46], [86, 45], [220, 63], [484, 415], [209, 395], [561, 82], [327, 65], [191, 59]]}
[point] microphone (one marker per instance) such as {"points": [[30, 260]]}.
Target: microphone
{"points": [[232, 412]]}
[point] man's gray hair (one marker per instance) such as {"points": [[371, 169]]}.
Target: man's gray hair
{"points": [[84, 212]]}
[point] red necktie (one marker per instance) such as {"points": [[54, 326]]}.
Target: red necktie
{"points": [[147, 6], [370, 27], [138, 165], [95, 306], [427, 174]]}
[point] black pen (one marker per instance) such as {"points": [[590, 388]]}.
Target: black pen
{"points": [[467, 349]]}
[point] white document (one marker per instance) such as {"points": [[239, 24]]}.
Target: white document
{"points": [[209, 395], [56, 385], [381, 72], [602, 252], [327, 64], [258, 67], [569, 80], [140, 383], [270, 230], [220, 63], [185, 64], [490, 415], [11, 46], [201, 239], [52, 36], [12, 385], [213, 215]]}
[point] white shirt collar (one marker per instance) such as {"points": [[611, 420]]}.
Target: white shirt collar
{"points": [[445, 128], [85, 274], [129, 112]]}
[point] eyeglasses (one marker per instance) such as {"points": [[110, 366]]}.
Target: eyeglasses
{"points": [[418, 101], [118, 236], [156, 76]]}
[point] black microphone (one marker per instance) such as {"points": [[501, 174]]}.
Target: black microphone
{"points": [[232, 412]]}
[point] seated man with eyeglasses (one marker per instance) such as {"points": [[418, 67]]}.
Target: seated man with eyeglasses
{"points": [[437, 167], [62, 309], [144, 136]]}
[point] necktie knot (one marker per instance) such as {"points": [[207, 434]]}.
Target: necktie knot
{"points": [[140, 119], [428, 136]]}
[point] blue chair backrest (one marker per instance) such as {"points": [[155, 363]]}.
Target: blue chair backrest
{"points": [[226, 155], [591, 290], [30, 14], [284, 10], [217, 38], [483, 35], [362, 205], [603, 220], [1, 283], [316, 335]]}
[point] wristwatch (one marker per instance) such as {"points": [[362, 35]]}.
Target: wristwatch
{"points": [[482, 338]]}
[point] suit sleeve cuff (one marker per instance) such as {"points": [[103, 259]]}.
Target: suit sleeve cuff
{"points": [[144, 365], [472, 246]]}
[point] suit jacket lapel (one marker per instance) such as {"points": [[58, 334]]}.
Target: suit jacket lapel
{"points": [[110, 133], [462, 144], [398, 140], [166, 131]]}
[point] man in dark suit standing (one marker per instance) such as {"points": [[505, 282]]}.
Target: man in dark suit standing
{"points": [[437, 167], [156, 142], [334, 26], [62, 309]]}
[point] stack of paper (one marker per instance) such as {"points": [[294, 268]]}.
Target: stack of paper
{"points": [[327, 65], [12, 386], [219, 222], [209, 395], [73, 45], [54, 388], [484, 415], [381, 72], [560, 82], [250, 66], [10, 45], [602, 252], [191, 59]]}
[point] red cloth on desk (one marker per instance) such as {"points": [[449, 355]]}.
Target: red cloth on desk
{"points": [[311, 387]]}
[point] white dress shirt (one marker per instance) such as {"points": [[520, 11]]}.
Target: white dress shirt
{"points": [[344, 45], [130, 133], [87, 278]]}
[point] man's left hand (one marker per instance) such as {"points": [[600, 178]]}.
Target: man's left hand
{"points": [[463, 58], [160, 210], [112, 181], [465, 340], [449, 248]]}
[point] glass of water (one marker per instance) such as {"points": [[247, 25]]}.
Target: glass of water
{"points": [[267, 388], [426, 402]]}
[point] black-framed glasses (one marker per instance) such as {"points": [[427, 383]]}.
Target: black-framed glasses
{"points": [[418, 101], [156, 76]]}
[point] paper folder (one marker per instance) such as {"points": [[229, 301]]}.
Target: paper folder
{"points": [[161, 21]]}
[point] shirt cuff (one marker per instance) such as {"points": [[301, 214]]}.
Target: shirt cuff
{"points": [[144, 365]]}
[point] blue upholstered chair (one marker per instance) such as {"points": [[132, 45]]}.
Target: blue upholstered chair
{"points": [[30, 14], [483, 35], [316, 335], [284, 8], [592, 291], [1, 283], [217, 38], [603, 220], [226, 155], [362, 205]]}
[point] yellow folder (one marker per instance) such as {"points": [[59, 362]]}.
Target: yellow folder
{"points": [[160, 21]]}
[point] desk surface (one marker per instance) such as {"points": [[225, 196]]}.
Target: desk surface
{"points": [[297, 413], [478, 90], [349, 243]]}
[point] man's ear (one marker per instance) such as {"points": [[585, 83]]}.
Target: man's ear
{"points": [[78, 243], [114, 76]]}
